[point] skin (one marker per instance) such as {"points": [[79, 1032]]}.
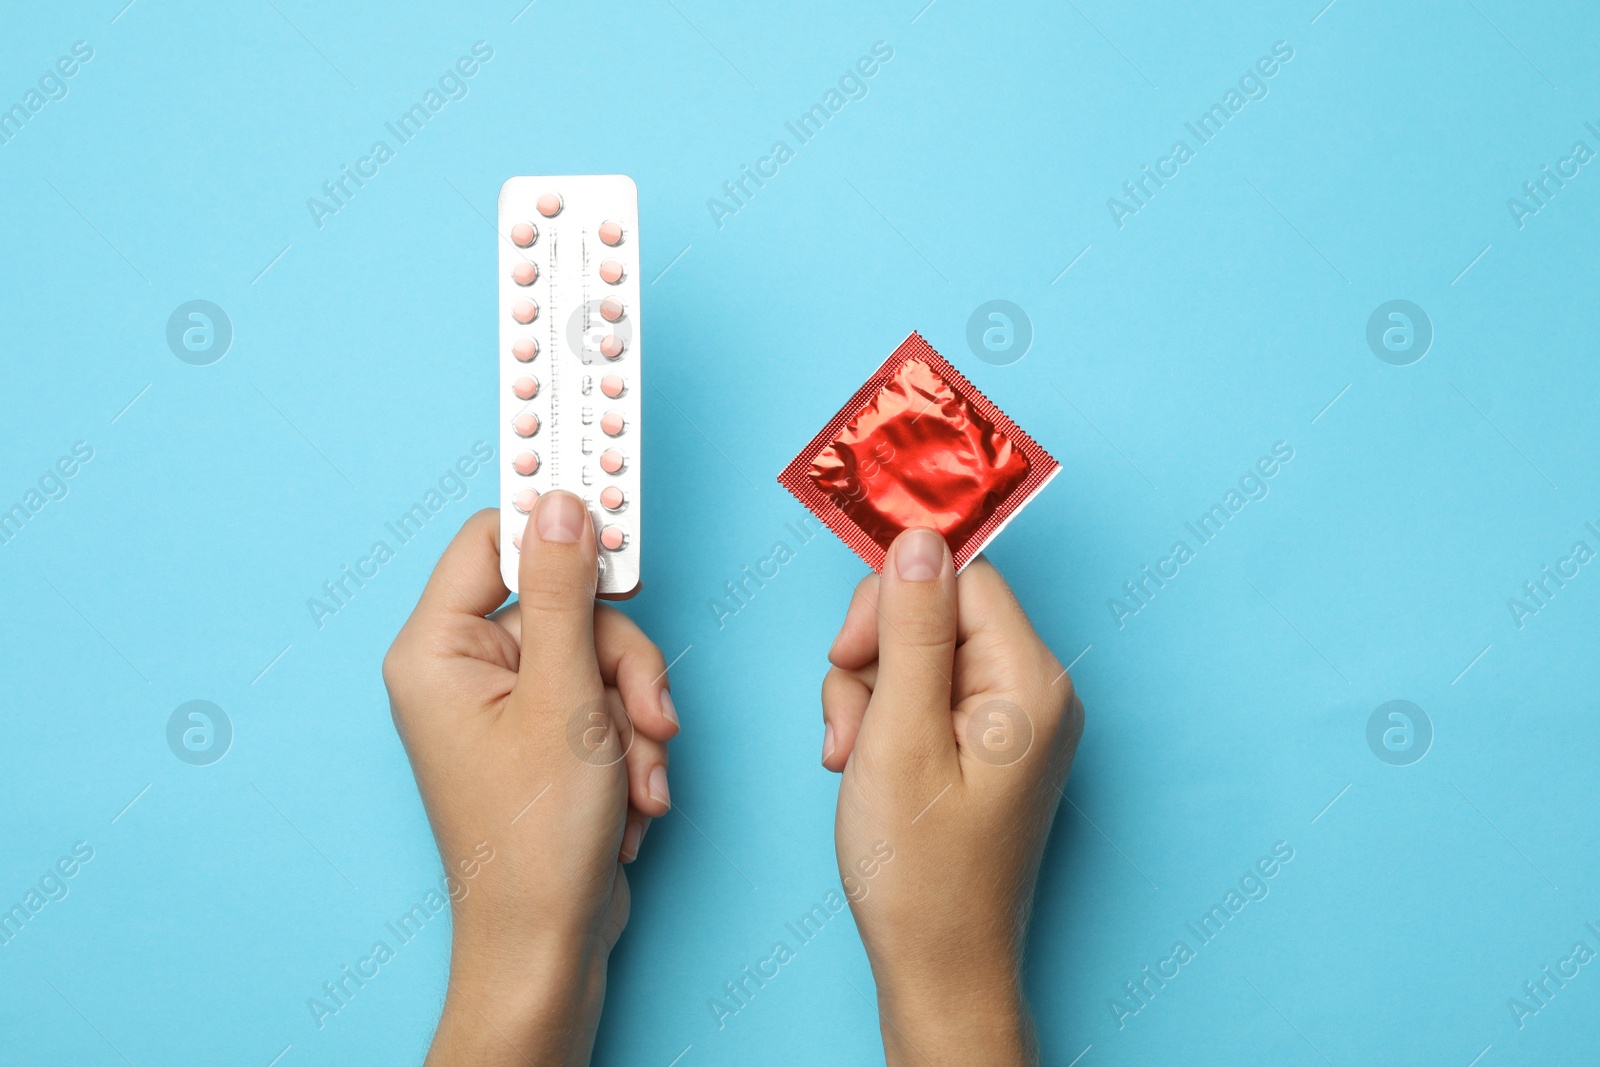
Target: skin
{"points": [[538, 737], [537, 733], [954, 728]]}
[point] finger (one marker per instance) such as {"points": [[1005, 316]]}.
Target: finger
{"points": [[844, 703], [987, 604], [633, 836], [857, 643], [646, 764], [630, 661], [555, 590], [1009, 653], [509, 619], [1010, 662], [466, 580], [916, 646]]}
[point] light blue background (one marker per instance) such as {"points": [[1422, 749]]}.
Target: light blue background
{"points": [[1222, 318]]}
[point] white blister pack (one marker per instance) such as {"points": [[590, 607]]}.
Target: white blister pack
{"points": [[571, 360]]}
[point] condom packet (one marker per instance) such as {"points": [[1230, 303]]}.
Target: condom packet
{"points": [[918, 445]]}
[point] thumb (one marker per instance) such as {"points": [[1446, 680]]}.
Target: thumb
{"points": [[555, 591], [916, 646]]}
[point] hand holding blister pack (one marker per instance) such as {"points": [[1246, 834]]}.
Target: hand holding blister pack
{"points": [[570, 362]]}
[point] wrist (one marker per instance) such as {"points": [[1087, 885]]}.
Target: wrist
{"points": [[521, 1004], [961, 1015]]}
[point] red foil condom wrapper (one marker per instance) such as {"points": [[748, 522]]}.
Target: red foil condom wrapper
{"points": [[918, 445]]}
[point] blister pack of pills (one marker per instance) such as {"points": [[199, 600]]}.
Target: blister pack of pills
{"points": [[570, 361]]}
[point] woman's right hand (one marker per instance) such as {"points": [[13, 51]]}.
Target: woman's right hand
{"points": [[954, 727]]}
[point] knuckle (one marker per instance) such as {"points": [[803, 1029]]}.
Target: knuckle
{"points": [[925, 626], [646, 658], [1050, 678], [643, 755], [1055, 697], [552, 589], [395, 666], [1062, 689], [1072, 721]]}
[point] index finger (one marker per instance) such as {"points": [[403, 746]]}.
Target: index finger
{"points": [[857, 643], [1008, 651], [988, 606], [466, 580]]}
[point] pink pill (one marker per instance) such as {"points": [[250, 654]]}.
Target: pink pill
{"points": [[525, 311], [524, 273], [611, 461], [526, 387], [516, 539], [523, 234], [611, 232], [612, 385], [526, 424], [612, 538], [611, 272], [611, 346], [611, 309], [526, 463], [612, 423], [524, 501], [524, 349], [611, 498], [550, 205]]}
